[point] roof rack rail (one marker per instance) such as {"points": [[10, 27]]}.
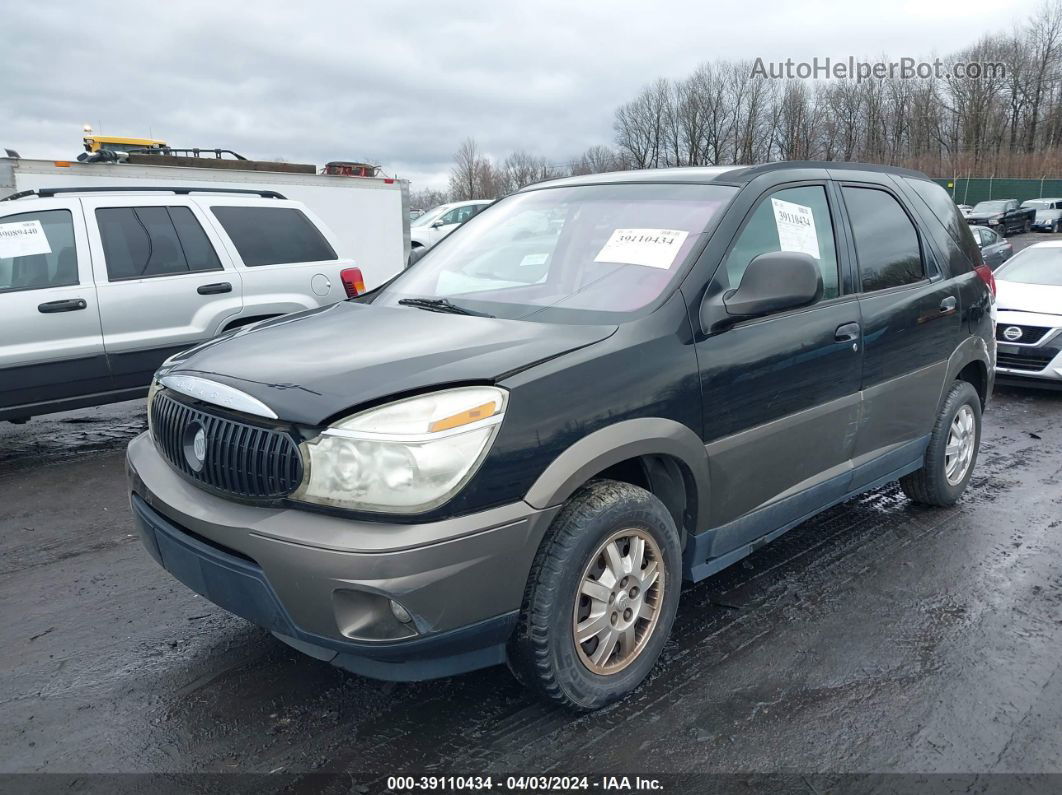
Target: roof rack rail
{"points": [[47, 193]]}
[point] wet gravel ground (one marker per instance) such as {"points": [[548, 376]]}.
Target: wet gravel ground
{"points": [[877, 637]]}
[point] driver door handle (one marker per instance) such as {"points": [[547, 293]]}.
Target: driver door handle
{"points": [[847, 332], [213, 289], [69, 305]]}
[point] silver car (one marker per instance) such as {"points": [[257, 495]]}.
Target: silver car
{"points": [[99, 286]]}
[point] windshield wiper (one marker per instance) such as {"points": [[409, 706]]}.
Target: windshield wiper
{"points": [[441, 305]]}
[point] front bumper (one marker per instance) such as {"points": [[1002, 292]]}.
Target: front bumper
{"points": [[324, 584]]}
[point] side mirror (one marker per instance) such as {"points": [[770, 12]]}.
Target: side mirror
{"points": [[437, 224], [773, 282]]}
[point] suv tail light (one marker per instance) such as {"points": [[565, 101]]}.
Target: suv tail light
{"points": [[354, 282], [987, 277]]}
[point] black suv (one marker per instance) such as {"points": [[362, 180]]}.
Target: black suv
{"points": [[516, 450]]}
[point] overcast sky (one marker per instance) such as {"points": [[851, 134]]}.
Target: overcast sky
{"points": [[402, 84]]}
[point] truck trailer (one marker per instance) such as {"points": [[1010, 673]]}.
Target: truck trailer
{"points": [[369, 215]]}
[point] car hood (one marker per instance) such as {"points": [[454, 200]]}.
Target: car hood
{"points": [[313, 365], [972, 216], [1048, 215], [1038, 298]]}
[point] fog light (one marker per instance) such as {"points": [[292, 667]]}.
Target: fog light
{"points": [[400, 612]]}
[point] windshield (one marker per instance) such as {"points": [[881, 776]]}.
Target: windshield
{"points": [[1034, 266], [431, 215], [585, 254], [1041, 204], [990, 207]]}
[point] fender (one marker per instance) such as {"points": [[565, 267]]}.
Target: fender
{"points": [[971, 349], [615, 443]]}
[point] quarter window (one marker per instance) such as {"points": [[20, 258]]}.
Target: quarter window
{"points": [[48, 259], [144, 242], [886, 242], [273, 235], [776, 225]]}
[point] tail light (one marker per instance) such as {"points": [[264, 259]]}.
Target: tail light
{"points": [[354, 282], [987, 277]]}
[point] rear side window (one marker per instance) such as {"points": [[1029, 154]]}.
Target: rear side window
{"points": [[273, 235], [945, 211], [144, 242], [37, 251], [886, 242]]}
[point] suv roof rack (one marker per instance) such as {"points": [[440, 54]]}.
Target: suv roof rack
{"points": [[45, 193]]}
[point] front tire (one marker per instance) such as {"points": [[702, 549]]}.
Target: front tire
{"points": [[600, 599], [952, 451]]}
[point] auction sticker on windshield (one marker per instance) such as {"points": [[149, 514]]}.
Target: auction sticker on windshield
{"points": [[654, 248], [796, 228], [23, 239]]}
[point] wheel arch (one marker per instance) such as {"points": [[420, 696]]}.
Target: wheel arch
{"points": [[662, 455], [970, 362]]}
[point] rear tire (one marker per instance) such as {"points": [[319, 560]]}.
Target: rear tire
{"points": [[573, 590], [952, 452]]}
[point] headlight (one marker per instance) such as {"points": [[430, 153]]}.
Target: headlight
{"points": [[404, 457]]}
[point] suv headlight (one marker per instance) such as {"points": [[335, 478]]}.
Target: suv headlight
{"points": [[404, 457]]}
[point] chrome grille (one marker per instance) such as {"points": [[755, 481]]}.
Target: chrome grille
{"points": [[238, 458]]}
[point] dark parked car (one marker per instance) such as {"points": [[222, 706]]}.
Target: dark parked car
{"points": [[995, 249], [518, 449], [1048, 214], [1004, 216]]}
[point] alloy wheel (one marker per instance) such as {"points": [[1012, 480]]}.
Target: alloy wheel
{"points": [[620, 596], [962, 437]]}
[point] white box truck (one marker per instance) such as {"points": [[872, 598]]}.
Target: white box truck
{"points": [[369, 215]]}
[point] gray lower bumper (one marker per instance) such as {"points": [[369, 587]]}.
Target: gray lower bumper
{"points": [[324, 583]]}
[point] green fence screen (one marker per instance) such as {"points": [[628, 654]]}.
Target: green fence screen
{"points": [[970, 190]]}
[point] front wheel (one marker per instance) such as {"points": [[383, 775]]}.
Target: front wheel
{"points": [[1027, 227], [601, 597], [952, 451]]}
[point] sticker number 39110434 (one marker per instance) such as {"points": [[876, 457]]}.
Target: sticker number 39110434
{"points": [[653, 248]]}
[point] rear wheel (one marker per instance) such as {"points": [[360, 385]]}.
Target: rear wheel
{"points": [[601, 597], [952, 451]]}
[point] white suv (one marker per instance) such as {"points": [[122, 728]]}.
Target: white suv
{"points": [[99, 285]]}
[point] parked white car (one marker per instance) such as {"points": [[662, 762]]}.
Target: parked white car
{"points": [[1029, 319], [99, 285], [437, 223]]}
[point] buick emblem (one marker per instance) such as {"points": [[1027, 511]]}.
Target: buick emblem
{"points": [[1012, 333], [195, 446]]}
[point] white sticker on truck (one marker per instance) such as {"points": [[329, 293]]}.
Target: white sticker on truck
{"points": [[654, 248], [796, 228], [23, 239]]}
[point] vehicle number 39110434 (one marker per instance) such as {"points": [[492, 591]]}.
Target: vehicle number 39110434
{"points": [[475, 783]]}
